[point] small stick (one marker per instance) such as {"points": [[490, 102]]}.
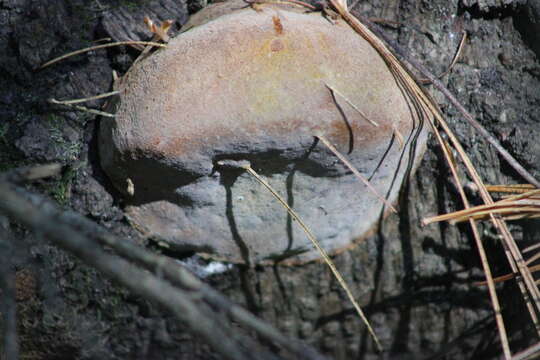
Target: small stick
{"points": [[529, 195], [522, 203], [97, 47], [77, 101], [184, 304], [160, 33], [83, 108], [159, 30], [516, 210], [355, 172]]}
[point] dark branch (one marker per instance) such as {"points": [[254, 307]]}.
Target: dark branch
{"points": [[30, 173], [192, 301]]}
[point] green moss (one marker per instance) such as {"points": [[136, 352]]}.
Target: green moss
{"points": [[131, 5], [61, 189], [65, 150]]}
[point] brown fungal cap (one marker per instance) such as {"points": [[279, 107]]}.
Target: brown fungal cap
{"points": [[258, 87]]}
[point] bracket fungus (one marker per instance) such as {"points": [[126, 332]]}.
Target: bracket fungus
{"points": [[260, 87]]}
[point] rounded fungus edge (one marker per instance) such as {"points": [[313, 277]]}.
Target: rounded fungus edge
{"points": [[241, 89]]}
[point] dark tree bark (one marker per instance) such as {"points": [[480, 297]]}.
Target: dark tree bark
{"points": [[415, 283]]}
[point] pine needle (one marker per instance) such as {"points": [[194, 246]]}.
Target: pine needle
{"points": [[319, 248], [355, 171], [83, 108], [77, 101], [513, 188], [533, 258], [352, 105], [531, 248], [425, 105], [510, 211], [503, 278], [526, 205]]}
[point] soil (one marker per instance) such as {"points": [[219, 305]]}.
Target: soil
{"points": [[415, 283]]}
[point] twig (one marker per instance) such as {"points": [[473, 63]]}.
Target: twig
{"points": [[140, 282], [533, 259], [83, 108], [531, 248], [160, 33], [77, 101], [97, 47], [182, 278], [160, 30]]}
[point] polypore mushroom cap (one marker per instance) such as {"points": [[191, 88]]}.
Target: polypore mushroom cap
{"points": [[257, 86]]}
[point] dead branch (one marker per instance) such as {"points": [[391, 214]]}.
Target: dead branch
{"points": [[30, 173], [191, 301], [184, 279]]}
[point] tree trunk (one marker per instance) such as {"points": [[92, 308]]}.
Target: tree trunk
{"points": [[415, 283]]}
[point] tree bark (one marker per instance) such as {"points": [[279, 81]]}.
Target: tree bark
{"points": [[415, 283]]}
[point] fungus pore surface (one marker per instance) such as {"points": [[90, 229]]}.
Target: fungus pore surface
{"points": [[256, 86]]}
